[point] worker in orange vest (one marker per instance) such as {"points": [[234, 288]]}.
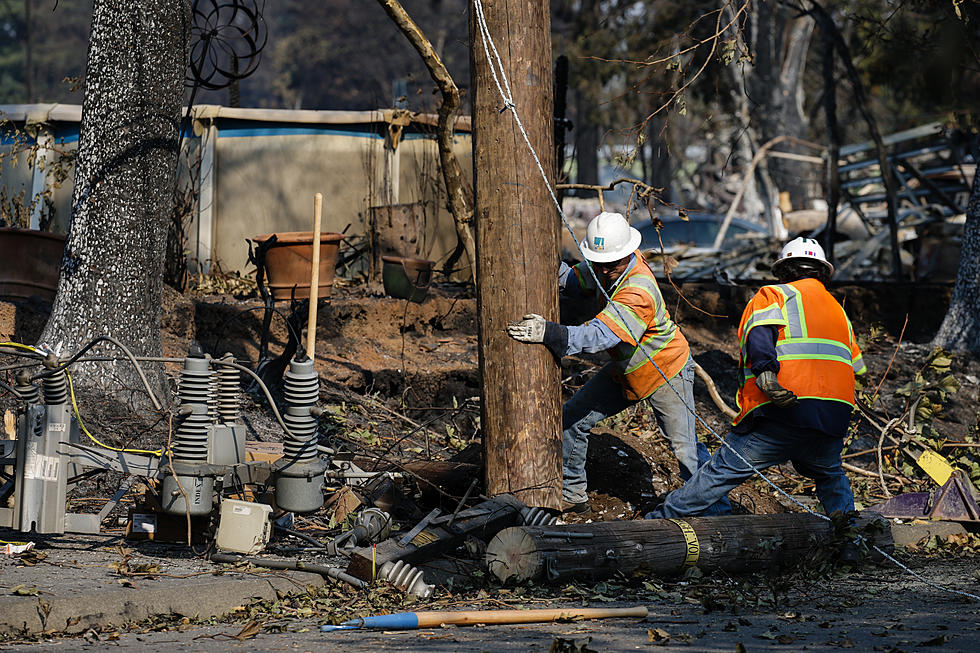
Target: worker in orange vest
{"points": [[634, 327], [796, 388]]}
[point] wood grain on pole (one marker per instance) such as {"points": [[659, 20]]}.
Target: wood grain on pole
{"points": [[517, 255], [315, 276], [734, 543]]}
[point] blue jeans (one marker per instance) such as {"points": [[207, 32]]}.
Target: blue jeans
{"points": [[813, 454], [602, 397]]}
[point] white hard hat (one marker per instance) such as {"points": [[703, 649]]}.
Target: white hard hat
{"points": [[803, 248], [609, 237]]}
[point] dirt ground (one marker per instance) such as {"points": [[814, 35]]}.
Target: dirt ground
{"points": [[400, 382]]}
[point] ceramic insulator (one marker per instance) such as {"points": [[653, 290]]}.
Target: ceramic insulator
{"points": [[56, 388], [191, 434], [228, 408], [302, 391], [406, 577]]}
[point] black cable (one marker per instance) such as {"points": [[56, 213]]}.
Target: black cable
{"points": [[302, 536]]}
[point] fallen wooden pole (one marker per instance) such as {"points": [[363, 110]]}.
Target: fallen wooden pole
{"points": [[411, 620], [436, 537], [665, 547]]}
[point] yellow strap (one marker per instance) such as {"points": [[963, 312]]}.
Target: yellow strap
{"points": [[690, 542], [933, 464]]}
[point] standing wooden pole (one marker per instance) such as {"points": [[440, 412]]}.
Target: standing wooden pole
{"points": [[517, 252], [314, 277]]}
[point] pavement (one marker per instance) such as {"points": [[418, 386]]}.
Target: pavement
{"points": [[73, 583], [90, 584]]}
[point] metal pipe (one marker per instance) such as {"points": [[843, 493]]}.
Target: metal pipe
{"points": [[295, 565]]}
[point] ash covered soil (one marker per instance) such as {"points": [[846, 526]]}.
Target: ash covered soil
{"points": [[401, 385]]}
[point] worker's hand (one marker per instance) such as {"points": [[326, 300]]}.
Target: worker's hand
{"points": [[529, 329], [778, 394]]}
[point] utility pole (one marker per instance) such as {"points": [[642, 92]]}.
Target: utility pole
{"points": [[517, 251]]}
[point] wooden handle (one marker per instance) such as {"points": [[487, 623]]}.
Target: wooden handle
{"points": [[315, 277], [433, 619]]}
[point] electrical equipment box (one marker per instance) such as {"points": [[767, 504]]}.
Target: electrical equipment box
{"points": [[244, 527]]}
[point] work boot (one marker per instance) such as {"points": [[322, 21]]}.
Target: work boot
{"points": [[850, 554], [580, 508]]}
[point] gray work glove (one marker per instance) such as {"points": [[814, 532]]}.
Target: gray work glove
{"points": [[778, 394], [529, 329]]}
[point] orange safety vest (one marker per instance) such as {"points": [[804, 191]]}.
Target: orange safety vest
{"points": [[637, 312], [815, 346]]}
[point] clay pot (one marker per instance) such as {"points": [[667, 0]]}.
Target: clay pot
{"points": [[31, 263], [288, 263], [406, 277]]}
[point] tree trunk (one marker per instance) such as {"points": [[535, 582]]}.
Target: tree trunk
{"points": [[664, 547], [586, 141], [517, 252], [452, 174], [960, 330], [770, 94], [112, 270]]}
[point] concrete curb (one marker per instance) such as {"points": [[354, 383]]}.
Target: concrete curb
{"points": [[194, 597]]}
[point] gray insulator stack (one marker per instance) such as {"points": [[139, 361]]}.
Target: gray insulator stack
{"points": [[187, 488], [301, 391], [406, 577], [299, 473], [194, 390], [229, 411], [55, 388], [28, 392]]}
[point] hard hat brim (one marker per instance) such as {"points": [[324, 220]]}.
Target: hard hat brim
{"points": [[826, 264], [608, 257]]}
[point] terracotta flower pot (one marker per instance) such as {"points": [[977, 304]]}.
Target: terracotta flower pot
{"points": [[31, 263], [289, 261]]}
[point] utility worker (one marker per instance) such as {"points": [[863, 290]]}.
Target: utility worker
{"points": [[796, 388], [635, 314]]}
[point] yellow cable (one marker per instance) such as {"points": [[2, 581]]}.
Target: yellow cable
{"points": [[74, 404], [17, 345]]}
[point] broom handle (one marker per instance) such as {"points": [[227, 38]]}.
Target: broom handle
{"points": [[431, 619], [315, 278]]}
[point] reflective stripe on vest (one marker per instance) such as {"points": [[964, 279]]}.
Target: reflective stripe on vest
{"points": [[803, 359], [637, 312]]}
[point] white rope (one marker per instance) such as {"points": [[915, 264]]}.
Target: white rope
{"points": [[922, 578], [496, 65]]}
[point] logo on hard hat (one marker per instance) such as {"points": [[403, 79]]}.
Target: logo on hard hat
{"points": [[597, 243]]}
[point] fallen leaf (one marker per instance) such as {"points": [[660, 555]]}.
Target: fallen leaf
{"points": [[656, 635], [250, 630], [740, 648], [24, 590]]}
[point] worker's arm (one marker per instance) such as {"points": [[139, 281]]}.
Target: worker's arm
{"points": [[761, 350], [575, 281], [593, 336]]}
